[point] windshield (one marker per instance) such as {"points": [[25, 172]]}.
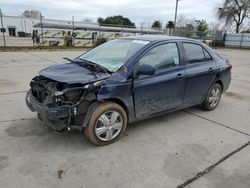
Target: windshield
{"points": [[113, 54]]}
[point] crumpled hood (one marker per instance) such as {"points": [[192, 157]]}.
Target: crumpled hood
{"points": [[71, 73]]}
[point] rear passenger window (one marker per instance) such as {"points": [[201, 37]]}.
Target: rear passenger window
{"points": [[195, 53]]}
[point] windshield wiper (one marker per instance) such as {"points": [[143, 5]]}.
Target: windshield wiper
{"points": [[95, 65], [70, 60], [86, 62]]}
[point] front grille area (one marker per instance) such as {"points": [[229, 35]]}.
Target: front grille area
{"points": [[38, 88]]}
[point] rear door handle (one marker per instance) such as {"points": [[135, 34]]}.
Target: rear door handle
{"points": [[179, 76]]}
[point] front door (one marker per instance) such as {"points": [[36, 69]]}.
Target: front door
{"points": [[163, 90]]}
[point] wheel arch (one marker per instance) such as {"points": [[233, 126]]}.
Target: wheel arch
{"points": [[95, 105], [220, 83], [120, 102]]}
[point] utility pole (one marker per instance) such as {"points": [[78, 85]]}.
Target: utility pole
{"points": [[2, 29], [73, 24], [41, 21], [175, 16], [73, 28]]}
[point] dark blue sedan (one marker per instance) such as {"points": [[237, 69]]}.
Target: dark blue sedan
{"points": [[126, 80]]}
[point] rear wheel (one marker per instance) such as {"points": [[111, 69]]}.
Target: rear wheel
{"points": [[107, 124], [213, 97]]}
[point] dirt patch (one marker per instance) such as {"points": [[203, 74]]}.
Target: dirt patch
{"points": [[60, 173], [195, 154], [233, 95], [2, 158], [3, 162]]}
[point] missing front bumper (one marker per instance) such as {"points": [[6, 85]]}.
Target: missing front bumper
{"points": [[56, 117]]}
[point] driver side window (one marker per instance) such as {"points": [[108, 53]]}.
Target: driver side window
{"points": [[162, 57]]}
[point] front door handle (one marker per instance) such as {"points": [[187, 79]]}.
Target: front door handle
{"points": [[211, 70]]}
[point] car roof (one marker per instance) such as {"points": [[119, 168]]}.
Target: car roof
{"points": [[154, 38]]}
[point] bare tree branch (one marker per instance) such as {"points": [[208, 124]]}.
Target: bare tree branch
{"points": [[234, 11]]}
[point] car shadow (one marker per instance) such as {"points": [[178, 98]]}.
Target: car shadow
{"points": [[33, 130], [49, 139], [166, 117]]}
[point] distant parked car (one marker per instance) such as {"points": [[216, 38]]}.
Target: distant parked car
{"points": [[126, 80]]}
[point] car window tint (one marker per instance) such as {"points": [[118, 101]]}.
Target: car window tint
{"points": [[162, 57], [195, 53]]}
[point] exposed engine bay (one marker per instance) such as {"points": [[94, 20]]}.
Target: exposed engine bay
{"points": [[61, 105]]}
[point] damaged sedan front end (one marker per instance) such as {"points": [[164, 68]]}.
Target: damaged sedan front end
{"points": [[69, 94], [62, 103]]}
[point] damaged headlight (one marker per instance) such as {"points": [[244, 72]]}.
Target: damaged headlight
{"points": [[73, 96], [68, 95]]}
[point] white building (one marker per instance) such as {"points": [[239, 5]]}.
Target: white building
{"points": [[16, 24], [18, 31]]}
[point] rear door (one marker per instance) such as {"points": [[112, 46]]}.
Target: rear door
{"points": [[200, 72], [164, 90]]}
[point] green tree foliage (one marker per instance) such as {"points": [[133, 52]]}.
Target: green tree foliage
{"points": [[100, 20], [170, 26], [202, 28], [234, 11], [116, 20], [156, 25]]}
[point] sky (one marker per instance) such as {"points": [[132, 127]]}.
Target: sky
{"points": [[138, 11]]}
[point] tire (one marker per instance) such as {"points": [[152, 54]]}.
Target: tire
{"points": [[213, 97], [101, 129]]}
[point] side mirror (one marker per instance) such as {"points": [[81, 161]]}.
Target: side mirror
{"points": [[145, 69]]}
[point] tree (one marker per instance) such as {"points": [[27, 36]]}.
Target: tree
{"points": [[170, 26], [183, 21], [214, 30], [116, 20], [87, 20], [100, 20], [156, 25], [31, 13], [234, 11], [202, 28]]}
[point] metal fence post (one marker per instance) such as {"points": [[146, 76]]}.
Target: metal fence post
{"points": [[122, 30], [99, 32], [241, 40], [4, 42]]}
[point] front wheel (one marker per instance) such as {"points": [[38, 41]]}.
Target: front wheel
{"points": [[213, 97], [107, 124]]}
